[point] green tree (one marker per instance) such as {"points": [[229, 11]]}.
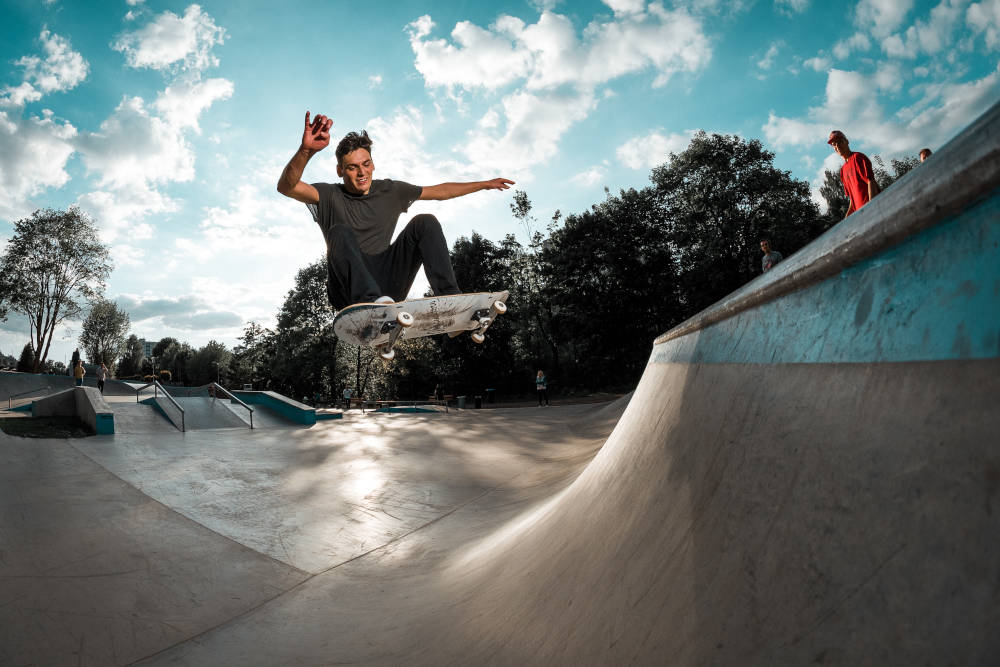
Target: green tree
{"points": [[532, 289], [163, 344], [26, 364], [209, 364], [52, 266], [614, 288], [718, 198], [104, 330], [131, 361], [304, 342], [253, 357]]}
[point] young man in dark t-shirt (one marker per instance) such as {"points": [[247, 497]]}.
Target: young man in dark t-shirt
{"points": [[358, 218]]}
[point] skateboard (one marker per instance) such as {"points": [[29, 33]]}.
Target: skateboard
{"points": [[380, 325]]}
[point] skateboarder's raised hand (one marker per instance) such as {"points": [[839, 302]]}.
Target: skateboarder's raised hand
{"points": [[316, 135]]}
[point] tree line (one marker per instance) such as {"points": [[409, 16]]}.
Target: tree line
{"points": [[588, 293]]}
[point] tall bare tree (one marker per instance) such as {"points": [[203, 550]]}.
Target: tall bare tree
{"points": [[52, 266]]}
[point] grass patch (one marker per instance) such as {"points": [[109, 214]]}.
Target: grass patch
{"points": [[44, 427]]}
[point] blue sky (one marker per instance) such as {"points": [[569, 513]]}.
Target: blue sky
{"points": [[169, 122]]}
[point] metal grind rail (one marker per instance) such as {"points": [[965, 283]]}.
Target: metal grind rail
{"points": [[157, 387], [44, 391], [215, 389]]}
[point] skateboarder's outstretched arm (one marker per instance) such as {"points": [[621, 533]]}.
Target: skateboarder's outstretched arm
{"points": [[315, 137], [452, 190]]}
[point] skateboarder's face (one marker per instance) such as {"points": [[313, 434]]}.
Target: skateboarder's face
{"points": [[356, 169]]}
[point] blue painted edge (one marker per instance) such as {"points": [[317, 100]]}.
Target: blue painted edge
{"points": [[933, 297], [288, 408]]}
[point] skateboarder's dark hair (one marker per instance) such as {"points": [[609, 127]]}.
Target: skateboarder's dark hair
{"points": [[352, 142]]}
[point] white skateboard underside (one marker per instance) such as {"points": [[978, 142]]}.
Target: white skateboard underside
{"points": [[372, 324]]}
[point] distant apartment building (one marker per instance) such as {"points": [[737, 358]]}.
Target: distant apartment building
{"points": [[147, 347]]}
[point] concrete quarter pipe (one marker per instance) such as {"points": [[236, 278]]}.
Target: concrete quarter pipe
{"points": [[807, 473]]}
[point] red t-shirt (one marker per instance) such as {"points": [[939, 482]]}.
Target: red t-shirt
{"points": [[855, 175]]}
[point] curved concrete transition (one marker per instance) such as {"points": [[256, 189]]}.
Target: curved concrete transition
{"points": [[807, 473]]}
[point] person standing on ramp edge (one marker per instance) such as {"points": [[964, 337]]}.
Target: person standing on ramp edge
{"points": [[358, 218]]}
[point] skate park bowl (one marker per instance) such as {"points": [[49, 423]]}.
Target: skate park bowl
{"points": [[808, 472]]}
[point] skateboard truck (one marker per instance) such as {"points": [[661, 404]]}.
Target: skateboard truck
{"points": [[403, 320], [486, 318]]}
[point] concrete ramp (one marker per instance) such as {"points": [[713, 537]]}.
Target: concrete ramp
{"points": [[210, 413], [807, 473]]}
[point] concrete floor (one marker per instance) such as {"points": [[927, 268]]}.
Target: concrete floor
{"points": [[119, 547]]}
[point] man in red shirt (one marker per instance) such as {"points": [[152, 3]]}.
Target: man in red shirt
{"points": [[857, 174]]}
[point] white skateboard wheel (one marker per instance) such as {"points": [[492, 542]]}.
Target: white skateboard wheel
{"points": [[404, 319], [478, 338], [500, 307]]}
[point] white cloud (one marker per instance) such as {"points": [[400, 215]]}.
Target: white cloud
{"points": [[794, 6], [626, 6], [653, 149], [552, 72], [589, 178], [170, 41], [818, 63], [881, 17], [127, 255], [549, 54], [479, 58], [34, 152], [120, 214], [60, 69], [136, 150], [535, 122], [375, 81], [984, 17], [133, 146], [856, 42], [182, 102], [930, 36], [767, 61]]}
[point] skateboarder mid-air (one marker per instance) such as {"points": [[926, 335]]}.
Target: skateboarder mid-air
{"points": [[358, 218]]}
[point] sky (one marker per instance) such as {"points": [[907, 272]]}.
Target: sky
{"points": [[169, 122]]}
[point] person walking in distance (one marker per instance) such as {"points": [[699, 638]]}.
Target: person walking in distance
{"points": [[857, 174], [542, 388], [102, 375]]}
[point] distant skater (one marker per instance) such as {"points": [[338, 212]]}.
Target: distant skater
{"points": [[358, 218], [542, 388], [102, 375], [78, 372]]}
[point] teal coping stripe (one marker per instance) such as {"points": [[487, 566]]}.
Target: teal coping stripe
{"points": [[934, 297]]}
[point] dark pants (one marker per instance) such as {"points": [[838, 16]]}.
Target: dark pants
{"points": [[100, 385], [543, 395], [355, 277]]}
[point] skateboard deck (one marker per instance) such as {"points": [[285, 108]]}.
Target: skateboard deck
{"points": [[380, 325]]}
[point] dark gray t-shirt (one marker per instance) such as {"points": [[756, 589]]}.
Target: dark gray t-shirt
{"points": [[372, 216]]}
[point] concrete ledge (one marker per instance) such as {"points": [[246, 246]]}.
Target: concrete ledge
{"points": [[86, 403], [288, 408]]}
